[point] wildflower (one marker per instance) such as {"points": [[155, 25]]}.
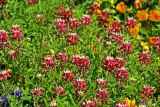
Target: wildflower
{"points": [[79, 93], [130, 103], [121, 7], [16, 92], [102, 95], [104, 16], [152, 40], [132, 79], [144, 46], [130, 22], [72, 39], [138, 3], [147, 90], [61, 26], [129, 9], [122, 104], [12, 53], [157, 44], [125, 47], [73, 24], [154, 15], [134, 42], [88, 103], [44, 44], [4, 74], [142, 15], [53, 103], [85, 20], [63, 57], [100, 38], [94, 8], [101, 82], [115, 37], [144, 58], [121, 74], [4, 101], [58, 90], [66, 13], [3, 36], [39, 76], [134, 31], [37, 91], [68, 76], [9, 70], [31, 2], [16, 32], [80, 84]]}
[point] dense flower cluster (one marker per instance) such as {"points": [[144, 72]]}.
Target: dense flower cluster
{"points": [[53, 103], [37, 91], [72, 39], [73, 24], [68, 76], [4, 101], [66, 13], [16, 92], [101, 82], [157, 44], [104, 16], [147, 90], [85, 20], [4, 74], [144, 58], [122, 104], [12, 53], [4, 39], [58, 90], [130, 23], [63, 57], [61, 26], [49, 63], [125, 48], [16, 33], [81, 61], [89, 103], [94, 8]]}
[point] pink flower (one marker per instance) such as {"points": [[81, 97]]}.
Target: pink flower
{"points": [[49, 63], [80, 84], [12, 53], [31, 2], [37, 91], [122, 104], [68, 76], [125, 48], [79, 93], [66, 13], [100, 39], [61, 26], [101, 82], [53, 103], [144, 58], [4, 74], [85, 20], [130, 23], [88, 103], [44, 44], [121, 74], [63, 57], [103, 18], [3, 36], [16, 32], [72, 39], [157, 44], [94, 7], [103, 95], [73, 24], [147, 90], [58, 90]]}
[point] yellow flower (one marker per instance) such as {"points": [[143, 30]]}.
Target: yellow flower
{"points": [[131, 103], [129, 9], [9, 70], [138, 37], [51, 52], [134, 42], [144, 46]]}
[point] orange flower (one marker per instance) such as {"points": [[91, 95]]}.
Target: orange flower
{"points": [[135, 30], [142, 15], [152, 40], [138, 3], [154, 15], [121, 7], [159, 1]]}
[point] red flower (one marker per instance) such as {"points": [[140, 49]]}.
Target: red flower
{"points": [[4, 39], [4, 74], [85, 20], [12, 53], [94, 7], [80, 84], [121, 74], [147, 90], [122, 104], [37, 91], [88, 103], [130, 23], [73, 24], [61, 26], [31, 2], [68, 76], [16, 32], [157, 44], [125, 47], [103, 18], [66, 13], [144, 58], [63, 57], [72, 39], [101, 82], [58, 90]]}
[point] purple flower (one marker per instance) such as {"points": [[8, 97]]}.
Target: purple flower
{"points": [[16, 92], [4, 101]]}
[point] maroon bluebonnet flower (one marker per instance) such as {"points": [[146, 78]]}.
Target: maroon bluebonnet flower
{"points": [[68, 76], [125, 48], [31, 2], [72, 39], [37, 91], [101, 82], [85, 20], [144, 58], [61, 26], [53, 103], [130, 23], [58, 90], [12, 53], [4, 74], [147, 90], [122, 104], [94, 7], [63, 57], [16, 32]]}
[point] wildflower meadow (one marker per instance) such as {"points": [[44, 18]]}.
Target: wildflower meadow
{"points": [[80, 53]]}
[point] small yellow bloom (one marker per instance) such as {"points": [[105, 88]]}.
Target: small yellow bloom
{"points": [[129, 9], [51, 52], [9, 70], [138, 37], [131, 103], [134, 42], [144, 46]]}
